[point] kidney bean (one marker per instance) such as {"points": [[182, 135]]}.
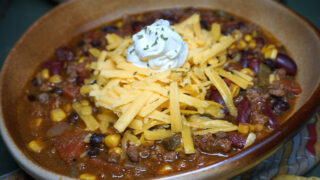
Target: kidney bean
{"points": [[64, 54], [244, 111], [80, 80], [245, 57], [215, 96], [285, 62], [273, 121], [271, 64], [54, 66], [254, 64], [238, 140], [260, 40]]}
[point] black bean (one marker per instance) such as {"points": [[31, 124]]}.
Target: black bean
{"points": [[95, 43], [56, 90], [204, 24], [34, 82], [93, 151], [81, 43], [285, 62], [73, 118], [280, 105], [32, 98], [109, 29], [271, 64], [96, 139]]}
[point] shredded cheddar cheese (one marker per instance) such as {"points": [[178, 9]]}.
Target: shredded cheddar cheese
{"points": [[172, 101]]}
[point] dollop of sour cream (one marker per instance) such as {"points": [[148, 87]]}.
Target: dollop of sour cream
{"points": [[157, 47]]}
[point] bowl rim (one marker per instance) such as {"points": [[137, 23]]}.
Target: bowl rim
{"points": [[274, 140]]}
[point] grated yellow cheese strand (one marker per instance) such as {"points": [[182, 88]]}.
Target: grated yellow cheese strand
{"points": [[157, 134], [215, 130], [116, 74], [91, 122], [152, 106], [126, 118], [235, 79], [187, 138], [223, 90], [161, 116], [210, 124], [175, 115]]}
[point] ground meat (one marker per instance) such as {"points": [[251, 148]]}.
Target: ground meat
{"points": [[72, 72], [70, 90], [45, 87], [277, 88], [169, 156], [223, 145], [132, 153], [217, 143], [113, 157], [43, 98], [257, 98], [258, 118]]}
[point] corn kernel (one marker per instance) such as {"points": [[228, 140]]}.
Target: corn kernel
{"points": [[67, 108], [247, 71], [234, 90], [232, 46], [254, 34], [247, 37], [86, 110], [258, 127], [252, 44], [45, 74], [119, 24], [85, 102], [36, 146], [267, 47], [140, 18], [36, 122], [87, 176], [244, 128], [165, 169], [241, 45], [112, 140], [237, 34], [55, 79], [57, 115], [116, 150], [81, 60], [251, 127], [271, 53]]}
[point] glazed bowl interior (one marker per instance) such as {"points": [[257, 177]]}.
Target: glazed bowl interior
{"points": [[74, 17]]}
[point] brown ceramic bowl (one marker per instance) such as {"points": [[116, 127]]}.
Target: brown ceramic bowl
{"points": [[76, 16]]}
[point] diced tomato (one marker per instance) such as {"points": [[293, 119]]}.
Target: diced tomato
{"points": [[70, 90], [70, 146]]}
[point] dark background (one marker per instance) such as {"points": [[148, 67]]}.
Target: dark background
{"points": [[17, 15]]}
